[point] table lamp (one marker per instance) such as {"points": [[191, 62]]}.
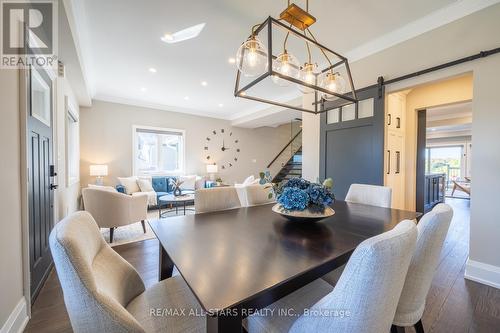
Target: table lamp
{"points": [[212, 170], [99, 171]]}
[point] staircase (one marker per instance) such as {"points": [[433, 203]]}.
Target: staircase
{"points": [[292, 169], [288, 162]]}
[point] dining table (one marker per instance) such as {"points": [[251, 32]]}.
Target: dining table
{"points": [[241, 260]]}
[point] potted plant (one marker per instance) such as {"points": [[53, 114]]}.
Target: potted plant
{"points": [[299, 200]]}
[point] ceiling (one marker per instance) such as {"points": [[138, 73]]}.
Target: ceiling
{"points": [[122, 41], [449, 120]]}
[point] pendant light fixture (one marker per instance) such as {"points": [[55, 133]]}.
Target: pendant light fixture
{"points": [[331, 80]]}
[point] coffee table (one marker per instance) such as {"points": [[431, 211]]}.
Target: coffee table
{"points": [[176, 201]]}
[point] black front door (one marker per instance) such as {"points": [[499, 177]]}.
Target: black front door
{"points": [[40, 176], [352, 142]]}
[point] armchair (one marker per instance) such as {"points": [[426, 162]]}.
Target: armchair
{"points": [[113, 209]]}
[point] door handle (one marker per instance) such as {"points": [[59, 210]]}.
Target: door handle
{"points": [[53, 187], [398, 124], [389, 121], [398, 159], [388, 162]]}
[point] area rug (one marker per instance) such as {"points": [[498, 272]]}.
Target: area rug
{"points": [[134, 233]]}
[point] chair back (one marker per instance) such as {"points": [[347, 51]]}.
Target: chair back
{"points": [[366, 295], [214, 199], [432, 230], [259, 194], [114, 209], [97, 283], [373, 195]]}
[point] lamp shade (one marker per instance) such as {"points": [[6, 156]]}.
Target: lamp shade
{"points": [[212, 168], [99, 170]]}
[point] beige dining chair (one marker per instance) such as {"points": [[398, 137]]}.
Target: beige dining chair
{"points": [[214, 199], [364, 299], [373, 195], [259, 194], [114, 209], [432, 230], [104, 293]]}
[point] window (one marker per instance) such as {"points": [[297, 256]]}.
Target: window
{"points": [[72, 147], [158, 150]]}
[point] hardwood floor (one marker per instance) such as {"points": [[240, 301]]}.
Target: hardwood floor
{"points": [[453, 304]]}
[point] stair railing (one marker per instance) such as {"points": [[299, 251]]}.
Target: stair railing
{"points": [[295, 143]]}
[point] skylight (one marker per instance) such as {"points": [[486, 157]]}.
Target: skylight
{"points": [[184, 34]]}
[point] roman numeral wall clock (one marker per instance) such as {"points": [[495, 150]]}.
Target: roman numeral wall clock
{"points": [[222, 148]]}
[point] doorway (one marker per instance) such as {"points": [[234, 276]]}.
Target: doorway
{"points": [[444, 149]]}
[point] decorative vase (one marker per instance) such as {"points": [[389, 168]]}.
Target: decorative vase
{"points": [[307, 215], [177, 191]]}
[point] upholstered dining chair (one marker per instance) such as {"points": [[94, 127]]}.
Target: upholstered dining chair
{"points": [[104, 293], [364, 299], [259, 194], [373, 195], [432, 230], [114, 209], [214, 199]]}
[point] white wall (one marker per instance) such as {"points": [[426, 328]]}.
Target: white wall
{"points": [[484, 258], [458, 39], [11, 257], [106, 138], [310, 141]]}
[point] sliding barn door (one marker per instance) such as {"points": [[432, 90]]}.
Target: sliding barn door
{"points": [[352, 142]]}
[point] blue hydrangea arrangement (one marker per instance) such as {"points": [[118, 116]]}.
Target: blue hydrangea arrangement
{"points": [[299, 194]]}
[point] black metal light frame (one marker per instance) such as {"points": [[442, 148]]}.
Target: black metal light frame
{"points": [[319, 106]]}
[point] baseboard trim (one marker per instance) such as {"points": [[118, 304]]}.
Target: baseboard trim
{"points": [[17, 320], [482, 273]]}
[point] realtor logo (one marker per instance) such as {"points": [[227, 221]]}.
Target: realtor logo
{"points": [[28, 33]]}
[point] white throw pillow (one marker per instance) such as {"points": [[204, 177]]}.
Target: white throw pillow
{"points": [[145, 185], [248, 180], [189, 182], [102, 188], [130, 184]]}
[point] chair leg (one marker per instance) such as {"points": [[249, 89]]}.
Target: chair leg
{"points": [[397, 329], [419, 328], [143, 225], [111, 231]]}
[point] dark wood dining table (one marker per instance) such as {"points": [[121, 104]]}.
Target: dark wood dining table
{"points": [[240, 260]]}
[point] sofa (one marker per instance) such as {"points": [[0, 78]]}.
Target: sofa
{"points": [[157, 186]]}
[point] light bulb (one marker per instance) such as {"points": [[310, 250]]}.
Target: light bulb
{"points": [[308, 75], [251, 57], [333, 82], [286, 64]]}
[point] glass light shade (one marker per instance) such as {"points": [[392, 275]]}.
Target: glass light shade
{"points": [[212, 168], [333, 82], [285, 64], [98, 170], [251, 57], [308, 75]]}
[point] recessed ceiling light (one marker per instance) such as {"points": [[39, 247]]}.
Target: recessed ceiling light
{"points": [[231, 60], [221, 105], [153, 70], [184, 34], [143, 89], [204, 83], [167, 38], [186, 98]]}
